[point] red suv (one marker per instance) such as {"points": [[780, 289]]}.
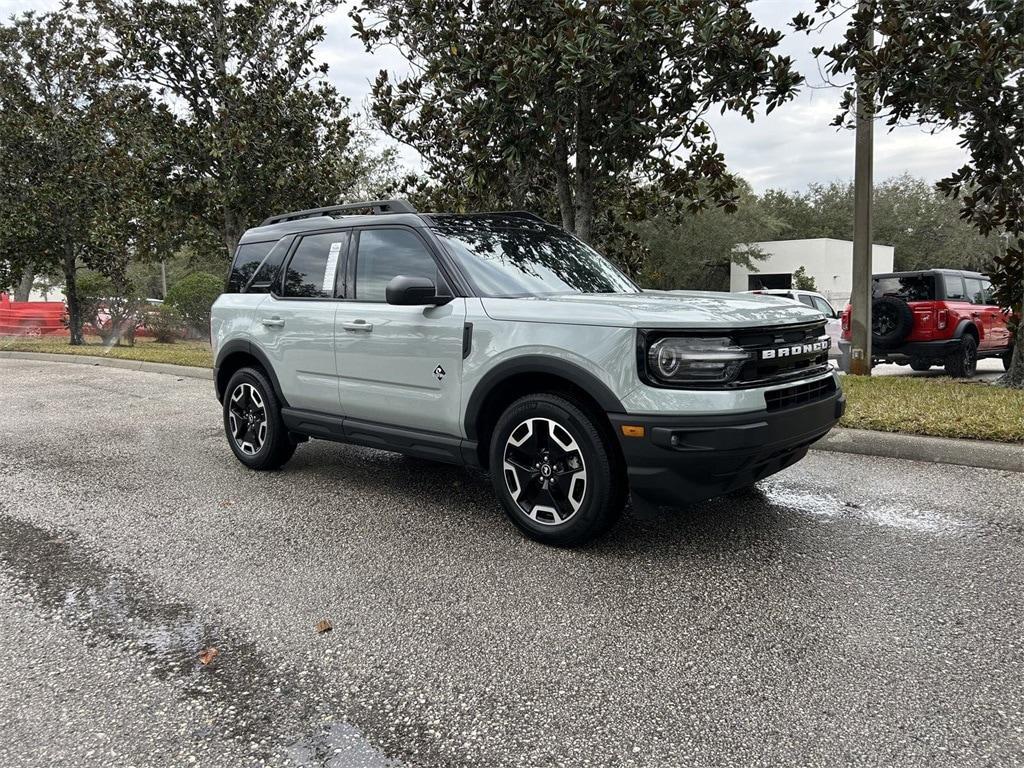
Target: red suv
{"points": [[936, 317]]}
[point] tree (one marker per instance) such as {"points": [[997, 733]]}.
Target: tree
{"points": [[69, 178], [694, 251], [571, 105], [802, 281], [950, 65], [256, 128], [921, 223]]}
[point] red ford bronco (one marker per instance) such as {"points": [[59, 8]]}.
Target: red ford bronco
{"points": [[935, 317]]}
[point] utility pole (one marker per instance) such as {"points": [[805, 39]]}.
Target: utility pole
{"points": [[163, 279], [860, 297]]}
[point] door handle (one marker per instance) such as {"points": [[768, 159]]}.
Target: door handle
{"points": [[357, 325], [273, 322]]}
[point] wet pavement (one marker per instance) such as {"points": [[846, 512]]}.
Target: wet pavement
{"points": [[851, 611]]}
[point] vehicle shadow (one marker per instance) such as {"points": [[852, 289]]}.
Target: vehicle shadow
{"points": [[459, 496]]}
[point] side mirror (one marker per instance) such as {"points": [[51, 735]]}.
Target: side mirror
{"points": [[405, 291]]}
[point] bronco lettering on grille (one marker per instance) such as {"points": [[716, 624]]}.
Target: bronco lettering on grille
{"points": [[797, 350]]}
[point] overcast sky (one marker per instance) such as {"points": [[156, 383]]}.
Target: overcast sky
{"points": [[790, 148]]}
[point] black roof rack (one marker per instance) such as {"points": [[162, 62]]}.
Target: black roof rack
{"points": [[374, 206]]}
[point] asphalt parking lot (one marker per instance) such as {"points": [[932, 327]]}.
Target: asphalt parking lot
{"points": [[852, 611]]}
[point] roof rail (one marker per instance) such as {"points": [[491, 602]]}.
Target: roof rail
{"points": [[374, 206]]}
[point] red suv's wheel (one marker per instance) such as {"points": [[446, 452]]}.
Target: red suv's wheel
{"points": [[964, 362]]}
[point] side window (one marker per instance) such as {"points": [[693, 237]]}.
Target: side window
{"points": [[986, 292], [974, 293], [805, 299], [312, 271], [247, 258], [824, 307], [387, 253], [954, 287], [269, 273]]}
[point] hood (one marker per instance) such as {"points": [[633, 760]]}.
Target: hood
{"points": [[653, 309]]}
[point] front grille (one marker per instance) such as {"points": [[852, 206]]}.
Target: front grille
{"points": [[759, 372], [799, 394]]}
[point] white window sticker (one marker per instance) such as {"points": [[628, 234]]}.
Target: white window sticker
{"points": [[331, 267]]}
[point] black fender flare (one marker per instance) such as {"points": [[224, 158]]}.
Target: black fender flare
{"points": [[545, 364], [963, 325], [246, 347]]}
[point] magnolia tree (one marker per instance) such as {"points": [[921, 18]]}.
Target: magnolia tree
{"points": [[957, 65], [73, 175], [579, 103], [255, 127]]}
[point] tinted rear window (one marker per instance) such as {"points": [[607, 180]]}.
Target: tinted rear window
{"points": [[247, 258], [906, 287]]}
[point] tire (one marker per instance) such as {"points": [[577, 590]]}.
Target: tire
{"points": [[1007, 358], [964, 362], [917, 364], [260, 445], [892, 319], [555, 471]]}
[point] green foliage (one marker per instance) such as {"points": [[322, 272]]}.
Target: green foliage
{"points": [[949, 64], [193, 296], [74, 158], [693, 250], [112, 307], [165, 323], [802, 281], [920, 222], [568, 107], [253, 126]]}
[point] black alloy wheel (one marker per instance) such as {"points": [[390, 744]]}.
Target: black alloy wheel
{"points": [[252, 421]]}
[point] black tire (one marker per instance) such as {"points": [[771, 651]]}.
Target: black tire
{"points": [[267, 449], [918, 364], [1007, 358], [964, 362], [892, 319], [565, 514]]}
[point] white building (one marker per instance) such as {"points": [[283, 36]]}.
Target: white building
{"points": [[828, 261]]}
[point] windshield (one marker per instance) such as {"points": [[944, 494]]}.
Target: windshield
{"points": [[529, 260]]}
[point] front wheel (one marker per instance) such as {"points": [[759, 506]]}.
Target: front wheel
{"points": [[1007, 359], [916, 364], [964, 362], [252, 421], [558, 477]]}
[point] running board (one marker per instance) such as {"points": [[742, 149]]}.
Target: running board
{"points": [[411, 442]]}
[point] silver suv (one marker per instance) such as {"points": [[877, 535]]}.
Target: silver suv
{"points": [[497, 340]]}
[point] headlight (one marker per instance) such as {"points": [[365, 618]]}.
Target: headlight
{"points": [[684, 360]]}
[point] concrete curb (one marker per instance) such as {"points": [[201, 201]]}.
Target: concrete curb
{"points": [[186, 371], [939, 450]]}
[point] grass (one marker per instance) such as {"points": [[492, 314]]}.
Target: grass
{"points": [[939, 407], [194, 353]]}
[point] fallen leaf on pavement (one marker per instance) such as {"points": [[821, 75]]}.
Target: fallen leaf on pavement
{"points": [[208, 654], [323, 626]]}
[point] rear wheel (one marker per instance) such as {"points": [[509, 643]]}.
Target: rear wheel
{"points": [[252, 421], [917, 364], [556, 474], [964, 362], [1007, 359]]}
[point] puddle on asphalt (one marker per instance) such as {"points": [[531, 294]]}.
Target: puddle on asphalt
{"points": [[257, 702], [888, 515]]}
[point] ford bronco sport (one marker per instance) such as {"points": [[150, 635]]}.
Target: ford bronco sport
{"points": [[499, 341], [935, 317]]}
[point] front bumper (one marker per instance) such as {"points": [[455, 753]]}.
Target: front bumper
{"points": [[926, 350], [683, 459]]}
